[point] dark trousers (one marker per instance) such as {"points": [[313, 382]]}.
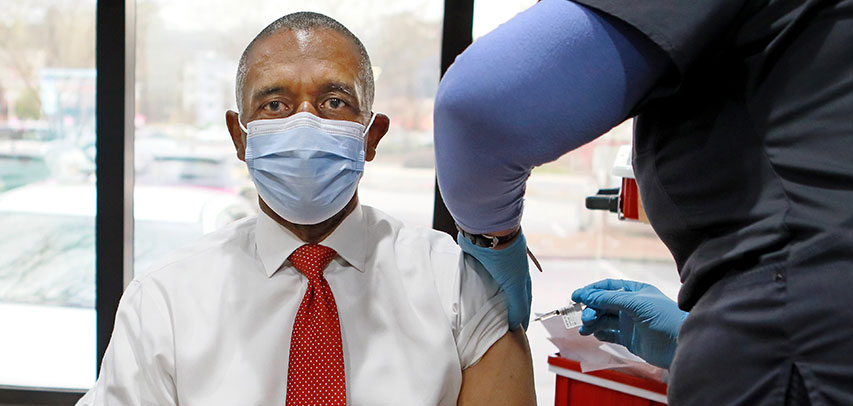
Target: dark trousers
{"points": [[776, 335]]}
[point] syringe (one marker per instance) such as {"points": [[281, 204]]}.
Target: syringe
{"points": [[575, 307]]}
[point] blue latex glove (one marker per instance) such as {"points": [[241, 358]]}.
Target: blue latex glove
{"points": [[639, 317], [508, 267]]}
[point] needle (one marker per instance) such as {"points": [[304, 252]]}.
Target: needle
{"points": [[548, 315], [559, 312], [574, 307]]}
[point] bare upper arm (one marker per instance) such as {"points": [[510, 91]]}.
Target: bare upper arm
{"points": [[503, 376]]}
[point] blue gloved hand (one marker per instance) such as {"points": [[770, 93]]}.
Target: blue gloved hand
{"points": [[639, 317], [508, 267]]}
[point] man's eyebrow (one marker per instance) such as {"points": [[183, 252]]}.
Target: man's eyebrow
{"points": [[264, 92], [340, 87]]}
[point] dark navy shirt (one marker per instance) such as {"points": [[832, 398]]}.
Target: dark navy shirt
{"points": [[744, 152]]}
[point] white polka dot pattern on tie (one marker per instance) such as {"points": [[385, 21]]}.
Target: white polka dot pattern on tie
{"points": [[315, 374]]}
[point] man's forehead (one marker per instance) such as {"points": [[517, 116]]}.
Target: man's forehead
{"points": [[294, 45], [320, 56]]}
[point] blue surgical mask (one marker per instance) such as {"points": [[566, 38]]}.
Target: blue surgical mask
{"points": [[304, 167]]}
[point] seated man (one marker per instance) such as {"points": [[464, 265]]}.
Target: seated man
{"points": [[317, 300]]}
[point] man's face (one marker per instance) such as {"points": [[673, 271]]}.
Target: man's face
{"points": [[313, 71]]}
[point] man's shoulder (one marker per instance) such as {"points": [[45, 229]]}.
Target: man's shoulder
{"points": [[381, 224], [435, 250], [469, 297], [203, 254]]}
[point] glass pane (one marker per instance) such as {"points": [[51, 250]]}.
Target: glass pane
{"points": [[577, 246], [47, 193], [187, 55]]}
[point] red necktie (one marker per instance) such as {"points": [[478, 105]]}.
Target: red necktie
{"points": [[315, 372]]}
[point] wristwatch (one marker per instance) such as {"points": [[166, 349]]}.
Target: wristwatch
{"points": [[486, 240], [491, 241]]}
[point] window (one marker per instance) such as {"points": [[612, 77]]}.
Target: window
{"points": [[47, 193]]}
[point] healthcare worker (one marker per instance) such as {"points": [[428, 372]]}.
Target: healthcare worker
{"points": [[743, 152]]}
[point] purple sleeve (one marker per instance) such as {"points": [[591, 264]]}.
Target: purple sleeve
{"points": [[546, 82]]}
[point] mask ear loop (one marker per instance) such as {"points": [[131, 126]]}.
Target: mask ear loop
{"points": [[367, 129], [245, 130]]}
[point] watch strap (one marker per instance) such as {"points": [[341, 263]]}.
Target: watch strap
{"points": [[486, 240]]}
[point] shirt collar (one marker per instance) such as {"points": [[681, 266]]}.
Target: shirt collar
{"points": [[275, 243]]}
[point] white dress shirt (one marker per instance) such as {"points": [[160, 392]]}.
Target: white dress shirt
{"points": [[211, 324]]}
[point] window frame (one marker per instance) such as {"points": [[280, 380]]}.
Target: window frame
{"points": [[114, 114], [457, 34]]}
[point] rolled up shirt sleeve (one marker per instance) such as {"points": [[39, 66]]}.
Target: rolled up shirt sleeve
{"points": [[546, 82], [138, 366], [482, 313]]}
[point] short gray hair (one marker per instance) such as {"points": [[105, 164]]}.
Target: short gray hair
{"points": [[306, 21]]}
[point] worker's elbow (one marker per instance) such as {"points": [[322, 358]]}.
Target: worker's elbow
{"points": [[464, 101], [451, 105], [459, 128]]}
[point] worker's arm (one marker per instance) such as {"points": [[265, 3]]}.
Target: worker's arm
{"points": [[503, 376], [551, 79]]}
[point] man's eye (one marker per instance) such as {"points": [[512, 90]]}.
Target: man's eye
{"points": [[335, 103], [275, 106]]}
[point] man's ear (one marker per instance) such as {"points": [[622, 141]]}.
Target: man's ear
{"points": [[238, 137], [375, 134]]}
